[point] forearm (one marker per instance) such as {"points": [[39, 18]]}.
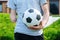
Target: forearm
{"points": [[13, 16], [45, 15]]}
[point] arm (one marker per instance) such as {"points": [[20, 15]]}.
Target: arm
{"points": [[11, 5], [46, 14], [13, 15]]}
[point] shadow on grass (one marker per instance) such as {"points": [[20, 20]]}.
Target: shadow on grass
{"points": [[5, 38]]}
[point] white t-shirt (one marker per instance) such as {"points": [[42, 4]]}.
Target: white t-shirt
{"points": [[20, 6]]}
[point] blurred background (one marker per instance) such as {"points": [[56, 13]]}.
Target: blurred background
{"points": [[51, 31]]}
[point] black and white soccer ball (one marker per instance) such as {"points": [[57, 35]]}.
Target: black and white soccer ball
{"points": [[32, 17]]}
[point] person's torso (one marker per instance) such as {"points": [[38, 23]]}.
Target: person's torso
{"points": [[21, 6]]}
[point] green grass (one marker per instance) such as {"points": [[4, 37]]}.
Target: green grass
{"points": [[6, 27], [52, 32]]}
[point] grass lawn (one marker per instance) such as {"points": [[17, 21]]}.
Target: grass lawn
{"points": [[53, 31]]}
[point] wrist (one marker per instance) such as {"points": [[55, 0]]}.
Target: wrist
{"points": [[44, 23]]}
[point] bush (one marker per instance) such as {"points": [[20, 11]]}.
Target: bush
{"points": [[6, 27], [53, 31]]}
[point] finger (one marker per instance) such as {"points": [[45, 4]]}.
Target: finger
{"points": [[39, 27], [32, 28]]}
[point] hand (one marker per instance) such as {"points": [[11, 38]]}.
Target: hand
{"points": [[36, 27]]}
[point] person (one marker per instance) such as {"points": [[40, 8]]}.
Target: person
{"points": [[22, 32]]}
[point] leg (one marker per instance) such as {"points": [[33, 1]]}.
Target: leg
{"points": [[39, 37], [19, 36]]}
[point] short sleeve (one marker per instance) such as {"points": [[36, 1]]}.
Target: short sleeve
{"points": [[42, 2], [10, 4]]}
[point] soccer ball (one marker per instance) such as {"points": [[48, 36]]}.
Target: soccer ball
{"points": [[32, 17]]}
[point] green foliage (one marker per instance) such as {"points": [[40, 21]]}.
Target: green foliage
{"points": [[53, 31], [6, 27]]}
